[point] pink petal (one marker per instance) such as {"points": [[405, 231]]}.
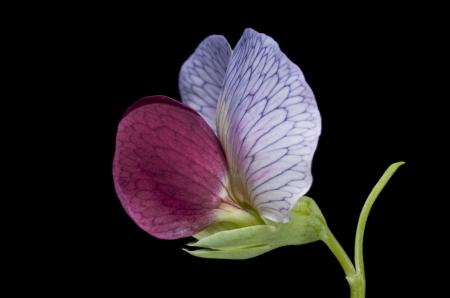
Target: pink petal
{"points": [[169, 168]]}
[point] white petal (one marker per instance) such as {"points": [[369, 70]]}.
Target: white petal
{"points": [[269, 125], [201, 77]]}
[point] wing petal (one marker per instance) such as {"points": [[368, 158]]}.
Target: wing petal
{"points": [[168, 168], [268, 124]]}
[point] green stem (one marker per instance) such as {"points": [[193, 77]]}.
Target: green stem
{"points": [[354, 280], [340, 254], [355, 275], [359, 260]]}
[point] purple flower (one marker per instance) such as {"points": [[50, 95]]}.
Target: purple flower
{"points": [[238, 150]]}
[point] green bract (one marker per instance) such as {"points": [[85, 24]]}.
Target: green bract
{"points": [[305, 226]]}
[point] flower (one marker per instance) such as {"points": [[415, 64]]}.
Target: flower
{"points": [[236, 153]]}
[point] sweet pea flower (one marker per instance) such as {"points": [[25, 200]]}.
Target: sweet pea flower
{"points": [[235, 153], [231, 164]]}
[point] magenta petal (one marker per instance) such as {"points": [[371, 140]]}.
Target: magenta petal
{"points": [[169, 168]]}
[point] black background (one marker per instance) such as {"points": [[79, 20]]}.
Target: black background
{"points": [[371, 72]]}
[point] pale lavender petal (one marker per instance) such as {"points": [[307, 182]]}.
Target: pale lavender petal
{"points": [[269, 125], [201, 77]]}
